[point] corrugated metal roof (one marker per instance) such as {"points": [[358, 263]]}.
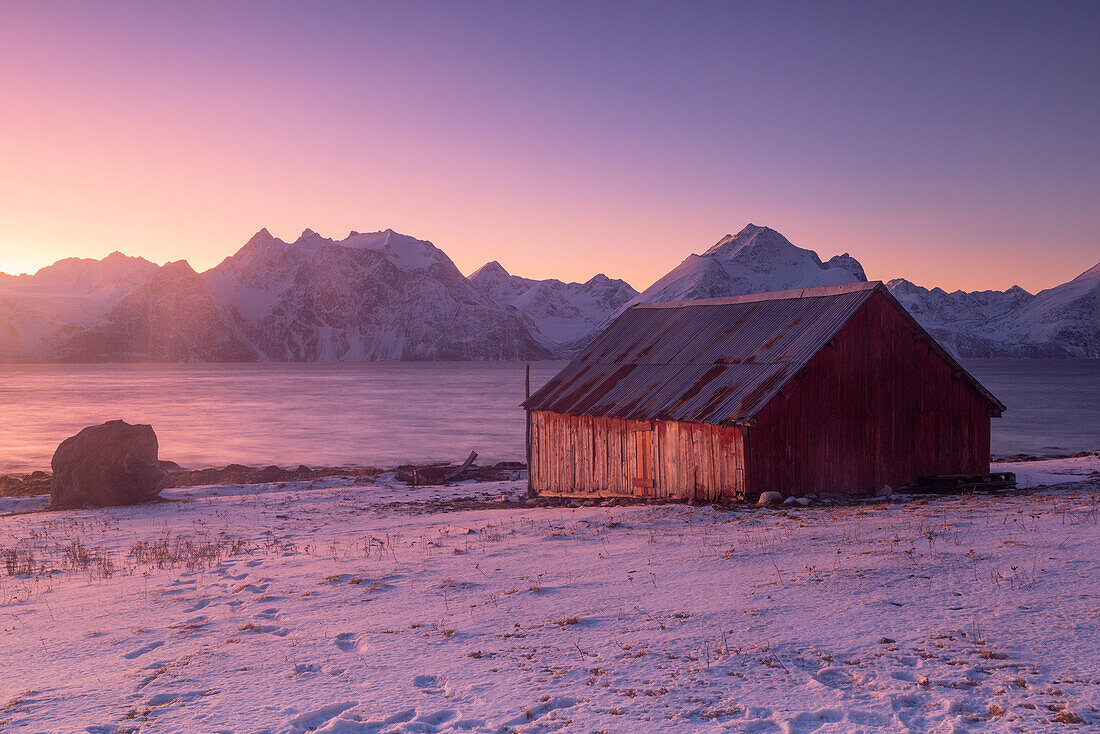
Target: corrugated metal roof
{"points": [[711, 361]]}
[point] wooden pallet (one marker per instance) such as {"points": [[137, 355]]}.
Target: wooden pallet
{"points": [[957, 483]]}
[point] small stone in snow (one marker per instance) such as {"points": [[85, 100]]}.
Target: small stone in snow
{"points": [[769, 498]]}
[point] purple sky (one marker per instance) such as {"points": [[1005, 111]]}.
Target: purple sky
{"points": [[952, 143]]}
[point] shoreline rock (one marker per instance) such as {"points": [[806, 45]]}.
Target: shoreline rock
{"points": [[114, 463]]}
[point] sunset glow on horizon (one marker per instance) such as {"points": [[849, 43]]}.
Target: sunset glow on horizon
{"points": [[956, 147]]}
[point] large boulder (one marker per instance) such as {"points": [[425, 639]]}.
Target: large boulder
{"points": [[110, 464]]}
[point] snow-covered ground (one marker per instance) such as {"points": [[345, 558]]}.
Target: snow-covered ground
{"points": [[341, 608]]}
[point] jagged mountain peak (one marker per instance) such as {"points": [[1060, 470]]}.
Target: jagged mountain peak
{"points": [[310, 240], [556, 313], [176, 269], [750, 236], [370, 296], [82, 276], [261, 237], [755, 260], [491, 269]]}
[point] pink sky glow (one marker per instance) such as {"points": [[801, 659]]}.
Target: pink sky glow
{"points": [[561, 141]]}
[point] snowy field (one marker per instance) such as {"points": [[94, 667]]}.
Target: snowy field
{"points": [[339, 608]]}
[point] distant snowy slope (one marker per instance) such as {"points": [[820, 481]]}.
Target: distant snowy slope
{"points": [[39, 311], [374, 296], [959, 320], [556, 313], [1063, 321], [174, 317]]}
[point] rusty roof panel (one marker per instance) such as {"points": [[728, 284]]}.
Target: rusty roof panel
{"points": [[711, 361]]}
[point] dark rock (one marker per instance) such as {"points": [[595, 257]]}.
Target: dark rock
{"points": [[170, 466], [110, 464], [271, 473], [28, 485], [769, 499]]}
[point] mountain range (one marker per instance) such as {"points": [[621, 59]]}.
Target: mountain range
{"points": [[388, 296]]}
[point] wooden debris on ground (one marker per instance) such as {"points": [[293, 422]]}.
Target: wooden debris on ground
{"points": [[430, 474], [955, 483]]}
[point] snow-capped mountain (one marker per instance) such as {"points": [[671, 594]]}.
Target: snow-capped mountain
{"points": [[755, 260], [556, 313], [375, 296], [1063, 321], [39, 312], [173, 317], [388, 296]]}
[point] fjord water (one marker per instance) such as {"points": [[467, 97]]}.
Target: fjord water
{"points": [[384, 414]]}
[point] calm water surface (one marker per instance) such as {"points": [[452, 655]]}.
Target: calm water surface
{"points": [[1053, 404], [385, 414]]}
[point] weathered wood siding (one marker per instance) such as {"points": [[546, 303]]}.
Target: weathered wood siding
{"points": [[878, 406], [583, 456]]}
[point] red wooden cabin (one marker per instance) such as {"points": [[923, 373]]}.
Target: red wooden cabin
{"points": [[821, 390]]}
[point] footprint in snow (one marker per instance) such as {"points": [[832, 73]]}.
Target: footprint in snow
{"points": [[142, 650], [809, 721], [400, 717], [428, 683], [436, 718], [833, 678], [868, 718], [269, 629], [346, 641], [182, 582], [318, 717], [198, 604], [540, 709]]}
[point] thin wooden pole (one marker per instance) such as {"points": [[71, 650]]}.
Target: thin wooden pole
{"points": [[527, 437]]}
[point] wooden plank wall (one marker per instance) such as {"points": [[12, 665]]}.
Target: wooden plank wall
{"points": [[877, 407], [584, 456]]}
